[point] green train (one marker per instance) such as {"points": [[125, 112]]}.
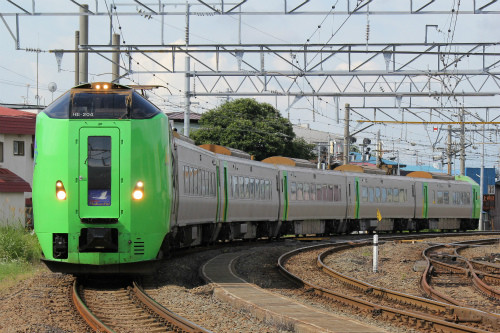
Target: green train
{"points": [[114, 190]]}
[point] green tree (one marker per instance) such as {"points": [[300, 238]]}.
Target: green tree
{"points": [[256, 128]]}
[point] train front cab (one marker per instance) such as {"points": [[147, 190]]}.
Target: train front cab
{"points": [[103, 164]]}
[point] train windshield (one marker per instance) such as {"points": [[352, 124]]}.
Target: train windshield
{"points": [[91, 105], [99, 106]]}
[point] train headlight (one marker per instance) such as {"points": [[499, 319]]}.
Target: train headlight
{"points": [[138, 192], [60, 191]]}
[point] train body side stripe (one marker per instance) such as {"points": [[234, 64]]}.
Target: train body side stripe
{"points": [[217, 216], [356, 199], [225, 192], [285, 195]]}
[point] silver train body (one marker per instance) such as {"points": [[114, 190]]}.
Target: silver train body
{"points": [[221, 197]]}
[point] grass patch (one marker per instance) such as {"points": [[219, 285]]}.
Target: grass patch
{"points": [[19, 254]]}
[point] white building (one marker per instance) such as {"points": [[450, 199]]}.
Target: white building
{"points": [[17, 132]]}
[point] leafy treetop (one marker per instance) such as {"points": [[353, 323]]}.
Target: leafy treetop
{"points": [[256, 128]]}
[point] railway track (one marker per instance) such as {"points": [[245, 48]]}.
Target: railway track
{"points": [[126, 309], [448, 274], [407, 310]]}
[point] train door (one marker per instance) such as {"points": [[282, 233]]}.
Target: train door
{"points": [[99, 173]]}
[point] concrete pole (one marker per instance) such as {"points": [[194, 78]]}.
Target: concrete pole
{"points": [[346, 134], [77, 58], [448, 150], [115, 67], [379, 150], [84, 40], [481, 186], [462, 143], [187, 93]]}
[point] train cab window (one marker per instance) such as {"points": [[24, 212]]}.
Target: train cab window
{"points": [[446, 198], [337, 193], [98, 106], [99, 170], [467, 198], [384, 194], [319, 192], [299, 191], [364, 194], [59, 109], [395, 195], [142, 108]]}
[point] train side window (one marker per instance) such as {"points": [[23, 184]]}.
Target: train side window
{"points": [[319, 193], [200, 182], [312, 189], [337, 193], [377, 194], [402, 195], [446, 198], [214, 184], [395, 195], [191, 180], [389, 195], [306, 191], [364, 194], [324, 192], [262, 189], [299, 191], [235, 187], [467, 198], [268, 190], [203, 187], [371, 193], [293, 191], [440, 198], [242, 187], [186, 180], [252, 188], [257, 188], [330, 193], [384, 194]]}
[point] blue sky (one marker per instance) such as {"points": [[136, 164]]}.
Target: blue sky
{"points": [[18, 68]]}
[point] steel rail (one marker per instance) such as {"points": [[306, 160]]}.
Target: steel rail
{"points": [[468, 271], [454, 313], [86, 314], [183, 324], [476, 280]]}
